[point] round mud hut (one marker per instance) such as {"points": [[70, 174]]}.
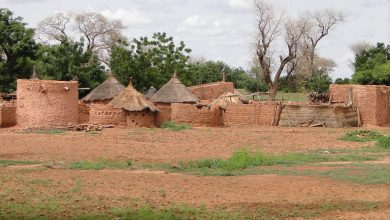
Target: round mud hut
{"points": [[139, 111], [46, 103], [94, 108], [172, 92]]}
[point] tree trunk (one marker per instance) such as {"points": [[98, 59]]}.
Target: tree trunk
{"points": [[271, 94]]}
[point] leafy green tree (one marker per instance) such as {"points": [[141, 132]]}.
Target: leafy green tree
{"points": [[342, 81], [319, 82], [372, 66], [17, 50], [70, 61], [150, 62]]}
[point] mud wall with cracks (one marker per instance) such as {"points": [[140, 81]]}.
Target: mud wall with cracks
{"points": [[46, 103], [197, 116], [7, 114]]}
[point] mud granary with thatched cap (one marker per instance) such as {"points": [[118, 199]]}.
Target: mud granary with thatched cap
{"points": [[138, 111], [172, 92], [92, 106]]}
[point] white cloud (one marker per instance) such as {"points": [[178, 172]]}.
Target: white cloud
{"points": [[127, 17], [242, 4], [194, 21]]}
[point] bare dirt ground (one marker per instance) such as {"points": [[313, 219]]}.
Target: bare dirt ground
{"points": [[101, 190], [166, 146]]}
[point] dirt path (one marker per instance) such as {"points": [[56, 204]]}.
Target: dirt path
{"points": [[166, 146]]}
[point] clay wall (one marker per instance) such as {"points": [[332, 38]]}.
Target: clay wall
{"points": [[140, 119], [197, 116], [83, 113], [104, 114], [46, 103], [7, 114], [330, 115], [372, 101], [164, 114], [258, 113], [211, 91]]}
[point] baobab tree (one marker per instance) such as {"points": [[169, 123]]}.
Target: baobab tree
{"points": [[300, 37], [99, 32]]}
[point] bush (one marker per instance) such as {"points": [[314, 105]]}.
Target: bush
{"points": [[384, 142], [173, 126], [362, 136]]}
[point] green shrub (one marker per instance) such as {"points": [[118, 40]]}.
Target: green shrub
{"points": [[362, 136], [101, 164], [384, 142], [173, 126]]}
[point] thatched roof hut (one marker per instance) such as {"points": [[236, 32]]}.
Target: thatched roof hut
{"points": [[132, 100], [226, 99], [174, 92], [150, 92], [105, 91]]}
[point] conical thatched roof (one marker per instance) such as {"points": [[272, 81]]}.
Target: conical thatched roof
{"points": [[150, 92], [105, 91], [226, 99], [174, 92], [131, 100]]}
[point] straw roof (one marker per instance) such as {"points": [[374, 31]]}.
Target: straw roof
{"points": [[226, 99], [105, 91], [132, 100], [174, 92], [150, 92]]}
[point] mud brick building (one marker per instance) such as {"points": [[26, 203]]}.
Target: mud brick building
{"points": [[211, 91], [371, 101]]}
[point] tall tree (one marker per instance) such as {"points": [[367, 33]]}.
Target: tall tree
{"points": [[100, 33], [70, 61], [150, 62], [17, 50], [300, 36]]}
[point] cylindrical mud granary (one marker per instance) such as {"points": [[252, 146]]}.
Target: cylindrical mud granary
{"points": [[46, 103]]}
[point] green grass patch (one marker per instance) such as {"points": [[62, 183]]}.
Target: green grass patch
{"points": [[245, 158], [384, 142], [18, 162], [101, 164], [362, 136], [173, 126], [46, 131]]}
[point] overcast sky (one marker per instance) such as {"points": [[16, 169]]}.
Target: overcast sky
{"points": [[223, 29]]}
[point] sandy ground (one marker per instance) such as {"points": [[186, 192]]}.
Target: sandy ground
{"points": [[166, 146], [118, 188]]}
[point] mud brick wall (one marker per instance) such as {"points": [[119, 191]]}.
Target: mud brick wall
{"points": [[140, 119], [212, 90], [164, 114], [83, 113], [105, 114], [46, 103], [7, 114], [372, 101], [331, 115], [191, 114], [264, 113]]}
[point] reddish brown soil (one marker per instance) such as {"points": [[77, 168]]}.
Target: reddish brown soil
{"points": [[95, 190], [166, 146]]}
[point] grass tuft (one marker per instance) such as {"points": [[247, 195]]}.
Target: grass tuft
{"points": [[384, 142], [362, 136], [173, 126], [17, 162], [101, 164]]}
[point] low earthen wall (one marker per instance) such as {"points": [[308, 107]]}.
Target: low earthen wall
{"points": [[83, 113], [329, 115], [140, 119], [197, 116], [261, 113], [211, 91], [105, 114], [7, 115], [164, 114]]}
